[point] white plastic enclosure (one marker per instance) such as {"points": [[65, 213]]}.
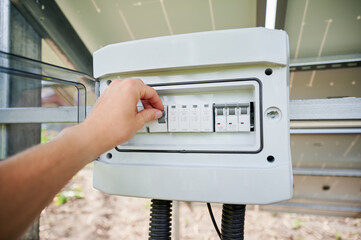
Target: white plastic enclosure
{"points": [[225, 134]]}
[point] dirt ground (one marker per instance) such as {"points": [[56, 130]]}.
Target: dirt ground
{"points": [[90, 214]]}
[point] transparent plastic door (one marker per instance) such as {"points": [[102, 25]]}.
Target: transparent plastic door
{"points": [[37, 100]]}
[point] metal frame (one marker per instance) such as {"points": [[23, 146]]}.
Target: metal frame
{"points": [[4, 83], [20, 38], [300, 110], [39, 115], [326, 109], [325, 63], [326, 131], [327, 172], [45, 16], [320, 208]]}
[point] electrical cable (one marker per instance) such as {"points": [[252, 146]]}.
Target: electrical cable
{"points": [[233, 221], [213, 220], [160, 220]]}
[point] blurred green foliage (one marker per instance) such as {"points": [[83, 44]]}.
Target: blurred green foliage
{"points": [[46, 135], [297, 224], [75, 192]]}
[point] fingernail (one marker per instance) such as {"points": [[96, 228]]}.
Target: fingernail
{"points": [[158, 114]]}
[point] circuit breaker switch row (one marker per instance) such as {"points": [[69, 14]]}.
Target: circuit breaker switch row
{"points": [[232, 117]]}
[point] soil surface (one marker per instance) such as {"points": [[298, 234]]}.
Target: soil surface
{"points": [[91, 214]]}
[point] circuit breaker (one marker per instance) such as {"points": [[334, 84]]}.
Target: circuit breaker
{"points": [[224, 134]]}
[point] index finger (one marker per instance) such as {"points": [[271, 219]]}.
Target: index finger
{"points": [[152, 97]]}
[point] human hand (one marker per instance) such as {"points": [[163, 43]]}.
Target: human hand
{"points": [[115, 119]]}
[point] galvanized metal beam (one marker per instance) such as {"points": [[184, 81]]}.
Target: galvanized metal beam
{"points": [[300, 110], [326, 131], [39, 115], [321, 207], [23, 93], [327, 172], [4, 83], [334, 195], [326, 109], [315, 208], [317, 124], [69, 115], [4, 26], [325, 63], [50, 22]]}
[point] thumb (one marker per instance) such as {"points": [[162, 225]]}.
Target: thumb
{"points": [[147, 115]]}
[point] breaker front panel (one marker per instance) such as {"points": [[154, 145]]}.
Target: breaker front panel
{"points": [[223, 115]]}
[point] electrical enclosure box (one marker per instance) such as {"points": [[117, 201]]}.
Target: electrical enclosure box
{"points": [[224, 136]]}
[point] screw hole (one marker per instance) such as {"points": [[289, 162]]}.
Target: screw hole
{"points": [[325, 187], [268, 71], [109, 155], [270, 158], [109, 82]]}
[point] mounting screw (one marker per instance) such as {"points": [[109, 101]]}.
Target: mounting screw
{"points": [[273, 114]]}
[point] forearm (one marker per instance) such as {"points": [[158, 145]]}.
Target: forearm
{"points": [[29, 180]]}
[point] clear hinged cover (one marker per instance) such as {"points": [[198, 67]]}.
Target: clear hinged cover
{"points": [[30, 83]]}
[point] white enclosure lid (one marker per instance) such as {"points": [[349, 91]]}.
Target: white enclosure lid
{"points": [[214, 48]]}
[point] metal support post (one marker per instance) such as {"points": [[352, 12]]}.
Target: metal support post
{"points": [[4, 80], [175, 220], [23, 93]]}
